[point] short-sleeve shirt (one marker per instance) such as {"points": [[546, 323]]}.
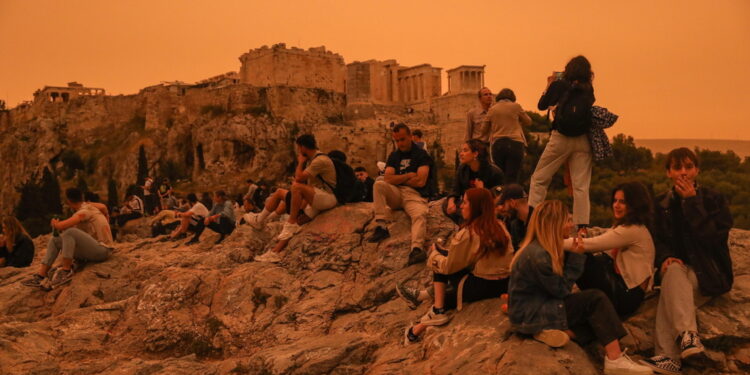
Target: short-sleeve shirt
{"points": [[95, 224], [199, 209], [321, 165], [410, 161]]}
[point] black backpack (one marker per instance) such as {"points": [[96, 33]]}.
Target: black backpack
{"points": [[346, 190], [573, 113]]}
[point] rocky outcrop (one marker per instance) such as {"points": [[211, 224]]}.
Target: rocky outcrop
{"points": [[328, 308]]}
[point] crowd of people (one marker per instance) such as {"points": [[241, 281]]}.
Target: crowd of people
{"points": [[557, 281]]}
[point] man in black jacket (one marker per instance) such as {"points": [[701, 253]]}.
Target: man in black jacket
{"points": [[691, 235]]}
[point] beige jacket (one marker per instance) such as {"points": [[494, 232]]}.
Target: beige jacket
{"points": [[505, 119], [462, 253]]}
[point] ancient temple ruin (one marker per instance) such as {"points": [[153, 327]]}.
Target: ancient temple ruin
{"points": [[58, 94]]}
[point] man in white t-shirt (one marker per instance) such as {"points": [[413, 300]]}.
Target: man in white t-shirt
{"points": [[85, 236], [189, 219]]}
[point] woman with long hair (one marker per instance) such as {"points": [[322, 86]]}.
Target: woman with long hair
{"points": [[541, 302], [16, 246], [620, 262], [475, 170], [482, 244], [572, 95]]}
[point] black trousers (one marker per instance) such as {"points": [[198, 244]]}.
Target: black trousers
{"points": [[475, 288], [223, 227], [124, 218], [591, 316], [599, 273], [508, 155]]}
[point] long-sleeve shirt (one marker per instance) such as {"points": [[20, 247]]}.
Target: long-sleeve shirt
{"points": [[505, 119], [22, 254], [224, 209], [635, 251], [476, 122], [462, 252]]}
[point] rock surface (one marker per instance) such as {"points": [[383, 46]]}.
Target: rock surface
{"points": [[328, 308]]}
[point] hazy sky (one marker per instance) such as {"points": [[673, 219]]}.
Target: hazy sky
{"points": [[670, 69]]}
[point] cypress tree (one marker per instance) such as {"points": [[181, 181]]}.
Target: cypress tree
{"points": [[49, 192], [112, 200], [142, 166]]}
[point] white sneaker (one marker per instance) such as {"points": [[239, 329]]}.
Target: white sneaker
{"points": [[288, 231], [624, 366], [254, 221], [269, 257]]}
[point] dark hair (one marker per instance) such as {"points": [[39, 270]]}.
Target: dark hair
{"points": [[74, 195], [192, 198], [397, 128], [360, 169], [578, 69], [480, 148], [484, 223], [338, 155], [677, 155], [640, 206], [221, 194], [90, 196], [506, 94], [307, 141], [418, 133], [250, 181]]}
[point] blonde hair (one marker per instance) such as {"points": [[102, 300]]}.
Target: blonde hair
{"points": [[14, 230], [546, 227]]}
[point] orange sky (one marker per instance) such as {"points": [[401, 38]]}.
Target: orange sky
{"points": [[670, 69]]}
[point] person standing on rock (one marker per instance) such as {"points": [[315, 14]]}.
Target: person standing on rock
{"points": [[220, 219], [312, 192], [16, 246], [691, 234], [148, 196], [476, 119], [475, 170], [505, 120], [165, 192], [85, 236], [541, 302], [406, 185], [482, 246]]}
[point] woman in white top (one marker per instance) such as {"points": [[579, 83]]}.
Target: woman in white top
{"points": [[620, 262]]}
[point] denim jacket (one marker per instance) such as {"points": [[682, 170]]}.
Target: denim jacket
{"points": [[536, 293]]}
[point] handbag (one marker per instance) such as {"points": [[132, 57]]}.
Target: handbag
{"points": [[601, 119]]}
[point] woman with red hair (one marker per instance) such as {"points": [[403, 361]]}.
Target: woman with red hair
{"points": [[476, 264]]}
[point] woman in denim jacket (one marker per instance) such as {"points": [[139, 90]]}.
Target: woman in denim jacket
{"points": [[541, 301]]}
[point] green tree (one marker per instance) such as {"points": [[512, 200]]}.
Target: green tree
{"points": [[82, 185], [142, 166], [539, 123], [627, 156], [49, 191], [112, 200]]}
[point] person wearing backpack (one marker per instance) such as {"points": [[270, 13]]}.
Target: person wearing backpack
{"points": [[572, 95]]}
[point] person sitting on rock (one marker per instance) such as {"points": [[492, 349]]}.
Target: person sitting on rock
{"points": [[625, 270], [691, 233], [220, 219], [85, 236], [16, 246], [482, 246], [475, 170], [311, 191], [189, 219], [542, 303], [252, 187], [131, 210], [164, 222], [515, 211], [406, 184], [367, 181]]}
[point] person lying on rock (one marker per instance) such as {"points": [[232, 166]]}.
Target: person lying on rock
{"points": [[476, 264], [312, 192], [624, 272], [514, 210], [16, 246], [85, 237], [541, 302], [190, 219], [475, 170], [406, 185], [691, 233], [220, 219]]}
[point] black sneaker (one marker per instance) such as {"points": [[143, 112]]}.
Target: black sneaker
{"points": [[663, 365], [409, 337], [379, 234], [35, 281], [417, 255], [690, 344]]}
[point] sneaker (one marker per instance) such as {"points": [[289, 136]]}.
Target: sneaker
{"points": [[431, 318], [663, 365], [269, 257], [417, 255], [409, 337], [624, 366], [409, 295], [288, 231], [35, 281], [690, 344], [554, 338], [380, 233], [61, 277]]}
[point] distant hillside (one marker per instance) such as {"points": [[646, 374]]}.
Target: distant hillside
{"points": [[741, 148]]}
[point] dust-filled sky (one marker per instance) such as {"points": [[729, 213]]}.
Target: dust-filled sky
{"points": [[670, 69]]}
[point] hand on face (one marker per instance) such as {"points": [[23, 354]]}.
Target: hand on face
{"points": [[301, 158], [684, 187]]}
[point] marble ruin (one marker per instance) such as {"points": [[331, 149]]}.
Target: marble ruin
{"points": [[63, 94]]}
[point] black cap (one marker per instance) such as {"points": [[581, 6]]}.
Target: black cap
{"points": [[511, 191]]}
